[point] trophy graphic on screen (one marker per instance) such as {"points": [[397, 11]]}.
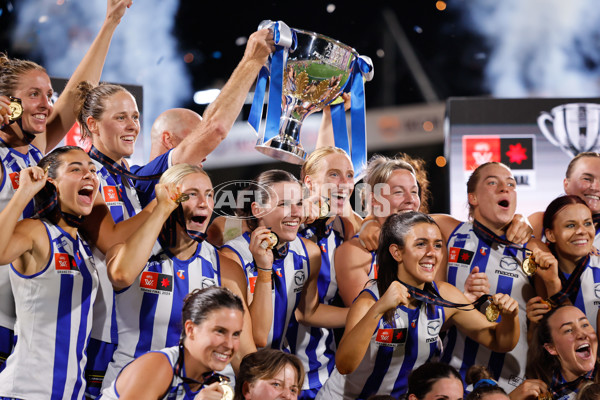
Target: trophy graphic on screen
{"points": [[574, 128], [307, 74]]}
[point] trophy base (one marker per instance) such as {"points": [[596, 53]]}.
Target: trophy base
{"points": [[283, 150]]}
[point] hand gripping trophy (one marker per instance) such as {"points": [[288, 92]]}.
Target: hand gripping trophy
{"points": [[307, 72]]}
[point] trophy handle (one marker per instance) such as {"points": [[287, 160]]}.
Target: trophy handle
{"points": [[543, 121]]}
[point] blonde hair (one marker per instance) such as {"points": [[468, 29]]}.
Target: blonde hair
{"points": [[380, 168], [176, 173], [311, 164]]}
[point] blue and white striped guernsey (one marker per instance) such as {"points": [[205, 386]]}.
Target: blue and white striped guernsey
{"points": [[502, 266], [54, 320], [291, 272], [149, 311], [316, 346], [394, 351], [587, 299], [177, 391], [123, 200], [12, 163]]}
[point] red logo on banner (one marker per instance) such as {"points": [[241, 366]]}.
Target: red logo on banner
{"points": [[110, 194], [516, 153], [14, 179], [149, 280], [479, 150]]}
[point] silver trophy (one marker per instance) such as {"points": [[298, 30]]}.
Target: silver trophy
{"points": [[573, 127], [316, 70]]}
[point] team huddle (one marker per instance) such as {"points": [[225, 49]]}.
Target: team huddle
{"points": [[119, 281]]}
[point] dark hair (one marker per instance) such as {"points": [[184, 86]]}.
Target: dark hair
{"points": [[91, 102], [11, 70], [422, 379], [260, 190], [198, 304], [589, 391], [394, 231], [557, 205], [574, 160], [475, 178], [52, 162], [265, 364], [540, 363], [482, 381]]}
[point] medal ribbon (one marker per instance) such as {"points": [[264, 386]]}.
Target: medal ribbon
{"points": [[571, 286], [117, 169], [49, 207], [490, 237], [431, 296], [284, 39], [559, 389], [281, 252], [322, 228], [168, 233], [362, 68]]}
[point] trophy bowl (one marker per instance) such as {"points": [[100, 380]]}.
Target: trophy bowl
{"points": [[315, 73], [573, 127]]}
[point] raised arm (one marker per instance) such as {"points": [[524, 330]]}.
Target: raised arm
{"points": [[326, 136], [89, 69], [310, 311], [222, 113], [126, 261], [102, 230], [17, 238]]}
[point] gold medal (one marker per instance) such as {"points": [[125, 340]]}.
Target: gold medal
{"points": [[227, 390], [181, 197], [271, 242], [545, 396], [323, 208], [492, 312], [529, 266], [16, 109], [551, 304]]}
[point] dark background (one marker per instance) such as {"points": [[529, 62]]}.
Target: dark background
{"points": [[444, 49]]}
